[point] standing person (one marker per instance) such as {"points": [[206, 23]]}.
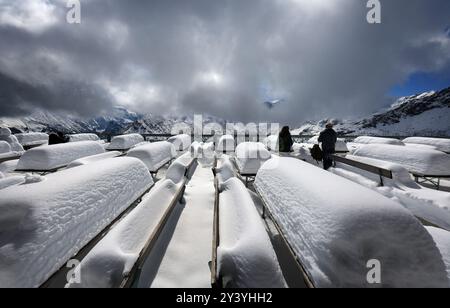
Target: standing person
{"points": [[328, 138], [285, 140]]}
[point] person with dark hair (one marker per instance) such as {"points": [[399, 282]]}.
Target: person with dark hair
{"points": [[328, 138], [285, 140]]}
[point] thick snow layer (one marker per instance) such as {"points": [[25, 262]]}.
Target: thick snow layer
{"points": [[246, 258], [94, 158], [378, 140], [177, 170], [225, 144], [441, 144], [16, 147], [415, 160], [83, 137], [51, 157], [206, 154], [28, 139], [113, 257], [338, 232], [181, 142], [442, 240], [44, 224], [225, 169], [10, 139], [11, 181], [125, 142], [182, 255], [4, 147], [271, 143], [9, 166], [428, 204], [154, 155], [250, 156], [4, 131], [421, 146], [1, 175]]}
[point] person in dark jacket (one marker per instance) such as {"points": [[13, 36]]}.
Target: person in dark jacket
{"points": [[285, 140], [328, 138], [57, 138]]}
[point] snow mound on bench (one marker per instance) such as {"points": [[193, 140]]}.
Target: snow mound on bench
{"points": [[4, 131], [206, 154], [11, 181], [415, 160], [30, 139], [154, 155], [378, 140], [45, 224], [114, 256], [50, 157], [1, 175], [246, 258], [441, 144], [4, 147], [442, 240], [83, 137], [421, 146], [336, 233], [177, 170], [271, 143], [225, 144], [224, 170], [250, 156], [94, 158], [180, 142], [9, 166], [125, 142]]}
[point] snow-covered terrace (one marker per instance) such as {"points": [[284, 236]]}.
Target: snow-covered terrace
{"points": [[162, 235]]}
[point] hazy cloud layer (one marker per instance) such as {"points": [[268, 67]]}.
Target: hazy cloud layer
{"points": [[218, 57]]}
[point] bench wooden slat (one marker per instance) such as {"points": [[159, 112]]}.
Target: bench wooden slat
{"points": [[363, 166]]}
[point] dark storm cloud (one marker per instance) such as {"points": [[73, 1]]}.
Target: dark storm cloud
{"points": [[202, 56]]}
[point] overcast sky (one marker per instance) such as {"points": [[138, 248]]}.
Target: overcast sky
{"points": [[220, 57]]}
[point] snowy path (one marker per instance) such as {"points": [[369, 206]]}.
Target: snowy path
{"points": [[182, 254]]}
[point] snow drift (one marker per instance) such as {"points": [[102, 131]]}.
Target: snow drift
{"points": [[94, 158], [180, 142], [250, 156], [441, 144], [30, 139], [154, 155], [83, 137], [125, 142], [113, 257], [378, 140], [11, 181], [51, 157], [246, 258], [44, 224], [442, 240], [4, 147], [225, 144], [415, 160], [336, 233]]}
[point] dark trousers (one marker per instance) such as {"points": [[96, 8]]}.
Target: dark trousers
{"points": [[327, 160]]}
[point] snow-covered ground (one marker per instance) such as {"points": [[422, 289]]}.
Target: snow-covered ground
{"points": [[181, 256], [336, 233]]}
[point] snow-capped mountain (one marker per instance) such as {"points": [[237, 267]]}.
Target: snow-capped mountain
{"points": [[119, 121], [427, 114]]}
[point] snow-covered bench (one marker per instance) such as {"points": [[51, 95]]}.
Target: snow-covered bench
{"points": [[336, 227], [28, 140], [154, 155], [6, 136], [250, 156], [440, 143], [94, 158], [50, 221], [378, 140], [83, 137], [422, 163], [52, 157], [271, 143], [226, 144], [4, 147], [125, 142], [181, 142]]}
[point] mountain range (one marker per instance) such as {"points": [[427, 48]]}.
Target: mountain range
{"points": [[426, 114]]}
